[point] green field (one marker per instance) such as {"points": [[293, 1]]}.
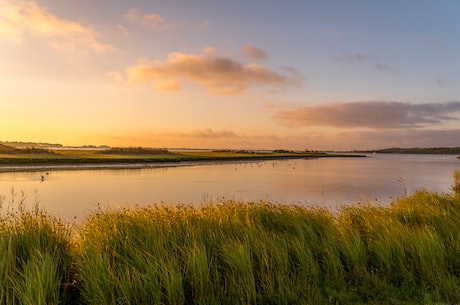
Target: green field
{"points": [[235, 253]]}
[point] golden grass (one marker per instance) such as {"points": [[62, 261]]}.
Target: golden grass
{"points": [[236, 253]]}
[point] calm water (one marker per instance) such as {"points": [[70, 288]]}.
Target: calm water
{"points": [[328, 182]]}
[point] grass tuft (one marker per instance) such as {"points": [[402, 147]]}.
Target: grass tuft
{"points": [[37, 261]]}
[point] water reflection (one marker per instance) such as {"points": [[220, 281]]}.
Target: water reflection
{"points": [[327, 181]]}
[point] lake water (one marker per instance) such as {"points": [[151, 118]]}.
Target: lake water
{"points": [[330, 182]]}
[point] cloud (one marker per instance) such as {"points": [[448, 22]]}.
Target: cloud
{"points": [[354, 57], [359, 57], [123, 30], [386, 138], [315, 139], [254, 53], [203, 24], [8, 28], [18, 19], [218, 74], [359, 139], [383, 67], [444, 82], [206, 133], [372, 114], [152, 21], [116, 76], [204, 138]]}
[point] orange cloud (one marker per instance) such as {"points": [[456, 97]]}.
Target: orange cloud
{"points": [[123, 30], [21, 18], [218, 74], [208, 133], [204, 138], [254, 53], [152, 21], [8, 30], [372, 114]]}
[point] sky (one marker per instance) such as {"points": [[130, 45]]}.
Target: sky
{"points": [[253, 74]]}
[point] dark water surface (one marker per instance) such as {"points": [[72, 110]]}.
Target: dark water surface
{"points": [[330, 182]]}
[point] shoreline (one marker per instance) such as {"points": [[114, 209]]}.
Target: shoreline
{"points": [[36, 165]]}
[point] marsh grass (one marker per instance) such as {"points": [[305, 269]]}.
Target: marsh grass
{"points": [[260, 253], [235, 253], [456, 187], [36, 264], [139, 155]]}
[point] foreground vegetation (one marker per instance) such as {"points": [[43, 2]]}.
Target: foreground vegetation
{"points": [[235, 253]]}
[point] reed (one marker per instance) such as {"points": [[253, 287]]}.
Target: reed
{"points": [[238, 253], [456, 187], [36, 265], [262, 253]]}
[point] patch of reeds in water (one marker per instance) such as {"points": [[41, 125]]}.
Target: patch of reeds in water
{"points": [[235, 253]]}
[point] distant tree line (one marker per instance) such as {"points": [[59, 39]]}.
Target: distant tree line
{"points": [[135, 151], [417, 150], [29, 144], [5, 149]]}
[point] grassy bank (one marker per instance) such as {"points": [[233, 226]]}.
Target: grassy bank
{"points": [[140, 155], [234, 253]]}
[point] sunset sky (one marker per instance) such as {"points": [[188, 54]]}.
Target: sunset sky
{"points": [[253, 74]]}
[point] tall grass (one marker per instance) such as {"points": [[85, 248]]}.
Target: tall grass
{"points": [[36, 261], [235, 253], [456, 186]]}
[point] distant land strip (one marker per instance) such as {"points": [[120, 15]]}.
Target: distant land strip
{"points": [[415, 150], [36, 159]]}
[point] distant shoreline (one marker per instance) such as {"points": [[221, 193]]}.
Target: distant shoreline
{"points": [[48, 163], [415, 151]]}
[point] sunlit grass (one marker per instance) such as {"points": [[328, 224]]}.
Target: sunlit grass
{"points": [[456, 187], [36, 262], [238, 253]]}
